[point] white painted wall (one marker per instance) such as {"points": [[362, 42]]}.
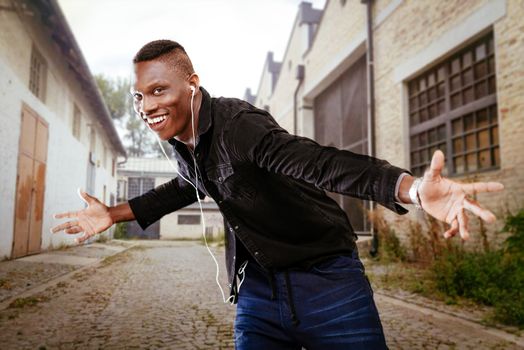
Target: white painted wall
{"points": [[67, 157], [170, 229]]}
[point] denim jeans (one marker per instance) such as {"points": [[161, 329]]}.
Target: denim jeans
{"points": [[329, 307]]}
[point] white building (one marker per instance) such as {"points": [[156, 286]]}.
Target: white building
{"points": [[139, 175], [56, 132]]}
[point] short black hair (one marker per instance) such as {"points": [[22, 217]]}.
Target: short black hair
{"points": [[167, 51]]}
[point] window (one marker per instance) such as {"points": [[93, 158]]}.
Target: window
{"points": [[77, 118], [189, 219], [453, 107], [37, 74], [121, 193], [104, 156], [92, 140], [139, 185]]}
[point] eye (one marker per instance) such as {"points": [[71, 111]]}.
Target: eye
{"points": [[157, 91], [137, 96]]}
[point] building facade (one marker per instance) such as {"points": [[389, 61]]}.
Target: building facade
{"points": [[445, 75], [139, 175], [56, 133]]}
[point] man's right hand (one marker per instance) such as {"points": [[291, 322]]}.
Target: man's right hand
{"points": [[94, 219]]}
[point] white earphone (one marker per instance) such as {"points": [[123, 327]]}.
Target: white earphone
{"points": [[241, 270]]}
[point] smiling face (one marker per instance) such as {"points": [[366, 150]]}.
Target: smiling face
{"points": [[164, 97]]}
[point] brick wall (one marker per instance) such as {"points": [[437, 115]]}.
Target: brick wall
{"points": [[412, 36]]}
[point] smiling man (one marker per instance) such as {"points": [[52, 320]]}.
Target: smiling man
{"points": [[304, 284]]}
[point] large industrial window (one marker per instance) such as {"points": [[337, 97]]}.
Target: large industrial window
{"points": [[37, 74], [453, 107]]}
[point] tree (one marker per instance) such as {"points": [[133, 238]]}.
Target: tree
{"points": [[117, 95]]}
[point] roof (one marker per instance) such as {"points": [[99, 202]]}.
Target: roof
{"points": [[153, 166], [52, 17]]}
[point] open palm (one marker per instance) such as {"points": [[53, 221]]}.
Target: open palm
{"points": [[91, 220], [447, 200]]}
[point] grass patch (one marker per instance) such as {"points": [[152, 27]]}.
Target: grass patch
{"points": [[120, 231], [494, 278], [444, 270], [19, 303], [5, 284], [217, 240]]}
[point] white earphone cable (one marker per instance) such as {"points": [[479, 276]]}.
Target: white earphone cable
{"points": [[241, 270]]}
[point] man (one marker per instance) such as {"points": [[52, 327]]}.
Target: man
{"points": [[304, 284]]}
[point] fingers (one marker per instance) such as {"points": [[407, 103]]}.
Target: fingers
{"points": [[478, 187], [74, 230], [84, 196], [83, 238], [476, 209], [65, 225], [69, 214], [463, 224], [437, 164], [452, 230]]}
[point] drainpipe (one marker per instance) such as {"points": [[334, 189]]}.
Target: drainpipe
{"points": [[300, 76], [371, 105]]}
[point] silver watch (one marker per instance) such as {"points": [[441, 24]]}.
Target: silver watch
{"points": [[413, 193]]}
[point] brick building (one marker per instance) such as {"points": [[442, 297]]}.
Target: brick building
{"points": [[446, 75]]}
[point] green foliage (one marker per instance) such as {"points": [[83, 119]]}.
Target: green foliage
{"points": [[27, 302], [216, 240], [116, 94], [120, 231], [389, 246], [493, 278], [515, 225]]}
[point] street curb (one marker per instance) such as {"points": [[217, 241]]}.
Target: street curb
{"points": [[441, 315], [57, 279]]}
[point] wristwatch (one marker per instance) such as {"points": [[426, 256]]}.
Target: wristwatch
{"points": [[413, 193]]}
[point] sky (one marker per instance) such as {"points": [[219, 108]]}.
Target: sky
{"points": [[227, 40]]}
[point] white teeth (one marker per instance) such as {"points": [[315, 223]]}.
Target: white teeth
{"points": [[157, 119]]}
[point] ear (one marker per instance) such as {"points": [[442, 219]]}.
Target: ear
{"points": [[194, 80]]}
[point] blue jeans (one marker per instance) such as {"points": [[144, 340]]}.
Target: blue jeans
{"points": [[329, 306]]}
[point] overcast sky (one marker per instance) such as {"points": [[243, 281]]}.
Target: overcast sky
{"points": [[226, 40]]}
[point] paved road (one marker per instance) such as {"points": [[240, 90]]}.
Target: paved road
{"points": [[162, 295]]}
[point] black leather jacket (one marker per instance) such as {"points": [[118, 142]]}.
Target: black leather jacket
{"points": [[270, 187]]}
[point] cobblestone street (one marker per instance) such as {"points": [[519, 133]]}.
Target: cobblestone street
{"points": [[162, 295]]}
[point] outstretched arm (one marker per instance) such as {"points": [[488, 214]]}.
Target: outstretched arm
{"points": [[94, 219], [145, 209], [447, 200]]}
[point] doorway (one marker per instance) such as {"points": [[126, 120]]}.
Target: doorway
{"points": [[30, 184], [341, 121]]}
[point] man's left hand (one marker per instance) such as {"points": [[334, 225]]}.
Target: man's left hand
{"points": [[447, 200]]}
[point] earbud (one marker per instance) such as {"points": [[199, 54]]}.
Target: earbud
{"points": [[192, 89]]}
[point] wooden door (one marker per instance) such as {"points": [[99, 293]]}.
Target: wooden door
{"points": [[30, 184]]}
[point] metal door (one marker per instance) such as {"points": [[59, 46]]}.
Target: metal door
{"points": [[341, 121], [136, 187], [30, 184]]}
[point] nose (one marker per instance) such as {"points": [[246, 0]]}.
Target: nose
{"points": [[149, 105]]}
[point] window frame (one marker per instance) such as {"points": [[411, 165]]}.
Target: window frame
{"points": [[38, 74], [451, 114]]}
